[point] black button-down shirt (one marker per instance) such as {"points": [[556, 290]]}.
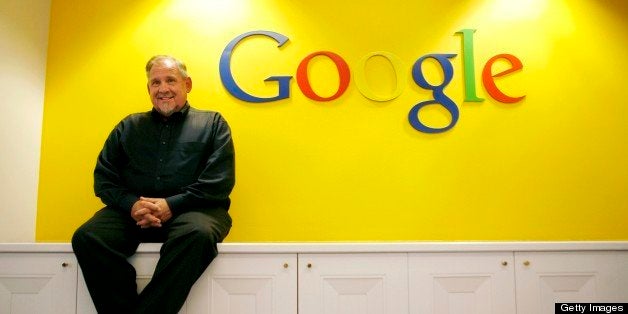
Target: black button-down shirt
{"points": [[188, 159]]}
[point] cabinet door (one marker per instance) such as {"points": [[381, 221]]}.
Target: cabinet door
{"points": [[462, 283], [232, 284], [545, 278], [37, 283], [353, 283], [247, 284]]}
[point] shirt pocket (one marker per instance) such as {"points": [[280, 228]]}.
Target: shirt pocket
{"points": [[188, 158]]}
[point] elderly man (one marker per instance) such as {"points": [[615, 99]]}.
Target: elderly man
{"points": [[165, 176]]}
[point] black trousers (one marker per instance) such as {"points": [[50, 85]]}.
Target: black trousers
{"points": [[104, 243]]}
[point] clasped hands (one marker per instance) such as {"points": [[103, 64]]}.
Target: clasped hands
{"points": [[151, 212]]}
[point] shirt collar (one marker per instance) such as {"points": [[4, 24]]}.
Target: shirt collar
{"points": [[175, 116]]}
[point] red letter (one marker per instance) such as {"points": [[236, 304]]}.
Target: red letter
{"points": [[304, 82], [489, 83]]}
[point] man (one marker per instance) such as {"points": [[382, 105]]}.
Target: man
{"points": [[164, 176]]}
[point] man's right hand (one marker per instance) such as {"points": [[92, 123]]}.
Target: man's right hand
{"points": [[142, 213]]}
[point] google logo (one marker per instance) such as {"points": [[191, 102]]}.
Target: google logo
{"points": [[344, 73]]}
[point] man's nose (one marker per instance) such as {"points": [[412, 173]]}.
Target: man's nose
{"points": [[162, 88]]}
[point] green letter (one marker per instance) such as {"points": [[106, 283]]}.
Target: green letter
{"points": [[469, 66]]}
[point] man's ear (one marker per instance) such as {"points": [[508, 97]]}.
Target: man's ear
{"points": [[188, 84]]}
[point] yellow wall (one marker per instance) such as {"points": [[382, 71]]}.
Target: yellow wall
{"points": [[551, 167]]}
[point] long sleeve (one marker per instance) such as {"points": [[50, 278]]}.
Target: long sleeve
{"points": [[108, 182], [217, 177]]}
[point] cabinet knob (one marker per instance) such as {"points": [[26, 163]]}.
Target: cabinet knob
{"points": [[504, 263], [526, 263], [285, 265], [65, 264], [309, 265]]}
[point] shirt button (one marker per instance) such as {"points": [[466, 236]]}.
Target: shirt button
{"points": [[163, 143]]}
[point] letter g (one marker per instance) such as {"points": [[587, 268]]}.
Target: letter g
{"points": [[227, 77], [437, 92]]}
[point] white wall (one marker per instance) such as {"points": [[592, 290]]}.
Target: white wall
{"points": [[23, 48]]}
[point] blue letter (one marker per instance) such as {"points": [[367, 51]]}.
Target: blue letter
{"points": [[227, 77], [437, 92]]}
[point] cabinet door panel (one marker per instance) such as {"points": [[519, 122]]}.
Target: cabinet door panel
{"points": [[248, 284], [545, 278], [37, 283], [461, 283], [353, 283], [232, 284]]}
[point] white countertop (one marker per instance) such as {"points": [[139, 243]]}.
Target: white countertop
{"points": [[356, 247]]}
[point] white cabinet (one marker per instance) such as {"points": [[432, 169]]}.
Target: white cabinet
{"points": [[37, 283], [353, 283], [470, 283], [545, 278], [247, 284], [345, 278], [232, 284]]}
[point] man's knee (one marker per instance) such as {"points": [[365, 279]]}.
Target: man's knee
{"points": [[80, 239], [204, 226], [201, 233]]}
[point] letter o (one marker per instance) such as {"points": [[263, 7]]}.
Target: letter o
{"points": [[363, 86], [304, 82]]}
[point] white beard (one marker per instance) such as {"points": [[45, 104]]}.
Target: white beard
{"points": [[165, 108]]}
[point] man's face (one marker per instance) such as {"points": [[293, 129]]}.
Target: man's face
{"points": [[167, 88]]}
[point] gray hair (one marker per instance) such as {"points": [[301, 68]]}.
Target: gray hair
{"points": [[160, 58]]}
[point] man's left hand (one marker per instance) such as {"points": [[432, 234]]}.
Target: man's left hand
{"points": [[162, 210]]}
